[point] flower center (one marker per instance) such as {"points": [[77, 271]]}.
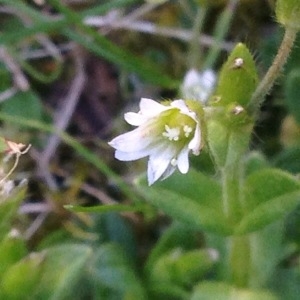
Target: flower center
{"points": [[177, 133], [175, 126], [171, 133]]}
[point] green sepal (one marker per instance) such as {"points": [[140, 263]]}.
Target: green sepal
{"points": [[227, 144], [238, 79], [288, 13], [217, 137]]}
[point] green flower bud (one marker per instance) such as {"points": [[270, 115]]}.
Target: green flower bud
{"points": [[238, 78], [288, 13]]}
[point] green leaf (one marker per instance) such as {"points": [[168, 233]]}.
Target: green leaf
{"points": [[8, 211], [286, 283], [269, 195], [25, 105], [196, 186], [62, 268], [292, 93], [182, 268], [110, 268], [186, 210], [269, 212], [238, 78], [173, 237], [12, 249], [254, 162], [267, 184], [222, 291], [106, 208], [266, 253], [288, 160], [22, 278], [115, 228]]}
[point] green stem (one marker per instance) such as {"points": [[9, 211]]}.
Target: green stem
{"points": [[238, 247], [238, 255], [274, 71], [240, 260], [231, 192], [233, 174]]}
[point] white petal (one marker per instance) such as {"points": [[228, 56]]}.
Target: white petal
{"points": [[183, 161], [128, 156], [195, 143], [159, 162], [151, 108], [191, 78], [125, 155], [168, 172], [132, 141], [209, 79], [180, 104], [135, 119]]}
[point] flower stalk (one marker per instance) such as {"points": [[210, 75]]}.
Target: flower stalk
{"points": [[232, 175]]}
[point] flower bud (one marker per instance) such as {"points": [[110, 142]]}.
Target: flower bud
{"points": [[238, 78], [198, 86]]}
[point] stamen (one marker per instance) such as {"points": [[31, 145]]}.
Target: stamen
{"points": [[172, 133], [187, 130]]}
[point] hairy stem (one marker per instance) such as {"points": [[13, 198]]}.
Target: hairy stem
{"points": [[274, 71]]}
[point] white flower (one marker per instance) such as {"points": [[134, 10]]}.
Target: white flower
{"points": [[165, 133], [198, 86]]}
